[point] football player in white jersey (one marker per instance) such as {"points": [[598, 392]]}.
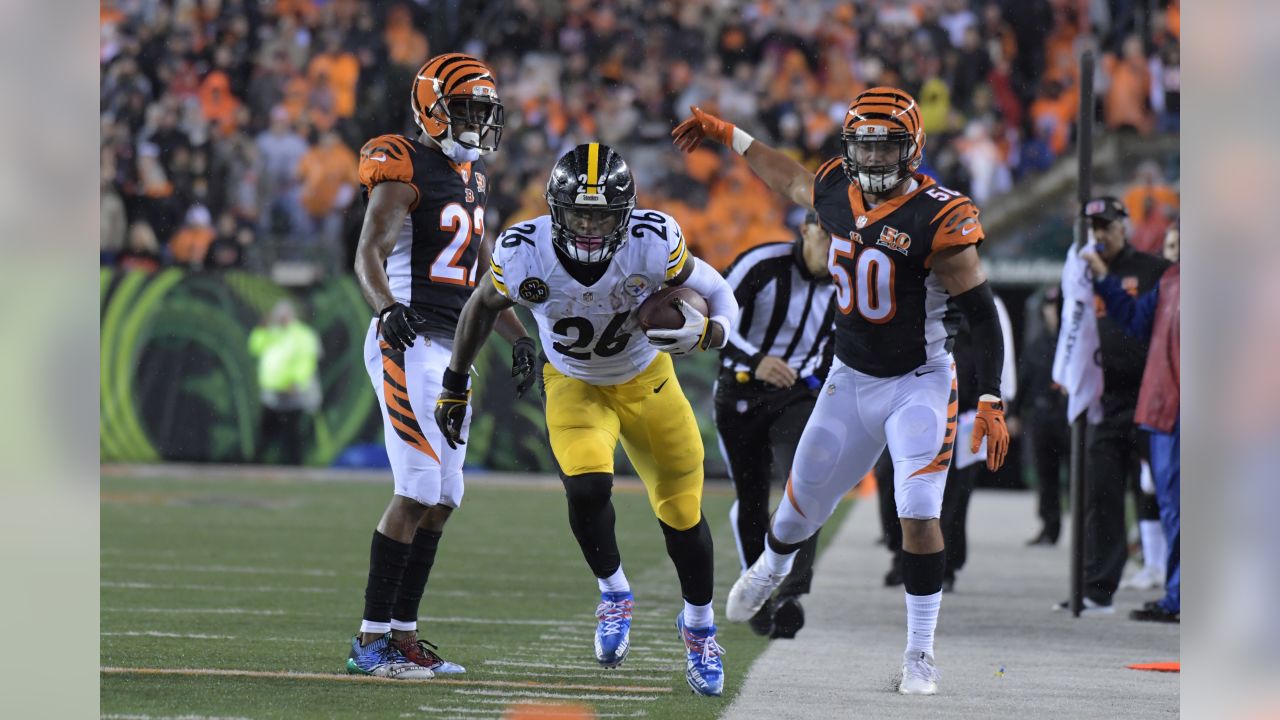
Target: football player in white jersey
{"points": [[583, 270]]}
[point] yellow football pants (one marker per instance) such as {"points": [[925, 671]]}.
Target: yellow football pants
{"points": [[658, 430]]}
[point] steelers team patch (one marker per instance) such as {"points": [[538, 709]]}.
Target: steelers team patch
{"points": [[534, 290], [635, 285]]}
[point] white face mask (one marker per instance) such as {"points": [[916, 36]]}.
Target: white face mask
{"points": [[460, 153]]}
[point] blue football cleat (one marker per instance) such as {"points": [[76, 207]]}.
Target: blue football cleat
{"points": [[381, 659], [613, 633], [704, 671]]}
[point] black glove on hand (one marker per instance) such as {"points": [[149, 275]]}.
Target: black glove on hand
{"points": [[451, 407], [396, 325], [523, 355]]}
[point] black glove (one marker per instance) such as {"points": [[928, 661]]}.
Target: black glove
{"points": [[451, 407], [396, 325], [523, 354]]}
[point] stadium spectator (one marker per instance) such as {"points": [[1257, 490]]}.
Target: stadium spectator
{"points": [[281, 149], [1129, 88], [190, 245], [1154, 316], [143, 252], [288, 353], [328, 179], [1151, 204]]}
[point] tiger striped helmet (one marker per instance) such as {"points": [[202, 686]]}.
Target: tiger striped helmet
{"points": [[876, 116], [456, 93]]}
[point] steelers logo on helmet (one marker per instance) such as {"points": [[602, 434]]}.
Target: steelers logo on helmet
{"points": [[455, 102], [882, 141], [591, 194]]}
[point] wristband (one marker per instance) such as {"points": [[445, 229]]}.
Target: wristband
{"points": [[454, 381], [741, 140]]}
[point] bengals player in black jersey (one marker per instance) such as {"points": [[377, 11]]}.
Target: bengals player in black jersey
{"points": [[420, 247], [904, 260]]}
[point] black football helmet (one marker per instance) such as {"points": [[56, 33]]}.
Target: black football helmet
{"points": [[591, 194]]}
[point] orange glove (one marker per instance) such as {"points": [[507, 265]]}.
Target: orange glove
{"points": [[702, 126], [990, 423]]}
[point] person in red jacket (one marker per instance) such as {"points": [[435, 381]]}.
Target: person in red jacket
{"points": [[1155, 315]]}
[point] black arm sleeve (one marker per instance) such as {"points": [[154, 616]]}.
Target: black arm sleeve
{"points": [[979, 307]]}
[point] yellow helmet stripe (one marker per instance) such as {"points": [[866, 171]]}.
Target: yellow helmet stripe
{"points": [[593, 170]]}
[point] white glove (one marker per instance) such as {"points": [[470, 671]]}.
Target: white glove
{"points": [[695, 334]]}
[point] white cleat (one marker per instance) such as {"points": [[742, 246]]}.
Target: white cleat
{"points": [[919, 676], [752, 590]]}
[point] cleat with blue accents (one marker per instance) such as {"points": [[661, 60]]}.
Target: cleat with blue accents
{"points": [[613, 633], [704, 671], [423, 653], [381, 659]]}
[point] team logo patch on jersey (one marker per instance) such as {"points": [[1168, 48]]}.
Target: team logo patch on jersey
{"points": [[635, 285], [894, 240], [470, 196], [480, 182], [534, 290]]}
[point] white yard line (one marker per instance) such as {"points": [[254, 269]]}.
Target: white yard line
{"points": [[196, 611], [159, 634], [235, 569], [619, 691]]}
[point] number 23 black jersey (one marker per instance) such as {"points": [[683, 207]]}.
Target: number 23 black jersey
{"points": [[894, 315], [433, 265]]}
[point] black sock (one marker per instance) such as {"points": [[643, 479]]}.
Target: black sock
{"points": [[387, 562], [780, 547], [414, 582], [591, 518], [922, 574], [694, 558]]}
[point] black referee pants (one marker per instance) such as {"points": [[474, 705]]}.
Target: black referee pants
{"points": [[759, 428]]}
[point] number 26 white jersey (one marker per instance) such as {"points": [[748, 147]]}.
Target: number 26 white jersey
{"points": [[590, 332]]}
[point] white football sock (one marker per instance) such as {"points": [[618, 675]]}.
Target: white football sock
{"points": [[617, 582], [1154, 549], [922, 619], [378, 628], [777, 564], [698, 616]]}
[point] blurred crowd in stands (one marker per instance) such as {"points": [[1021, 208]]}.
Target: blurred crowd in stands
{"points": [[230, 127]]}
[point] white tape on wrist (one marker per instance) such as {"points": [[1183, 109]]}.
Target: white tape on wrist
{"points": [[741, 140]]}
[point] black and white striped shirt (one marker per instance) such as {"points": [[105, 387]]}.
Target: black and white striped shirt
{"points": [[785, 311]]}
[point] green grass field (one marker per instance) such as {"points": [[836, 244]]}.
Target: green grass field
{"points": [[216, 590]]}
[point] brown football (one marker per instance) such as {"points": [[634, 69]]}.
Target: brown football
{"points": [[658, 312]]}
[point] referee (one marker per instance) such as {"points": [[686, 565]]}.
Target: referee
{"points": [[775, 360]]}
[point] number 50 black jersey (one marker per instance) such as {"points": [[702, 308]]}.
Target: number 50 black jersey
{"points": [[433, 265], [894, 315]]}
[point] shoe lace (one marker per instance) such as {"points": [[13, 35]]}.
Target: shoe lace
{"points": [[706, 646], [612, 614], [418, 649], [919, 666]]}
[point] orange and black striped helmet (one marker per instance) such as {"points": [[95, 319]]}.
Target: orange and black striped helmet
{"points": [[882, 115], [456, 93]]}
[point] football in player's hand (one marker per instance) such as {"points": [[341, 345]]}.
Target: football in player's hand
{"points": [[658, 312]]}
